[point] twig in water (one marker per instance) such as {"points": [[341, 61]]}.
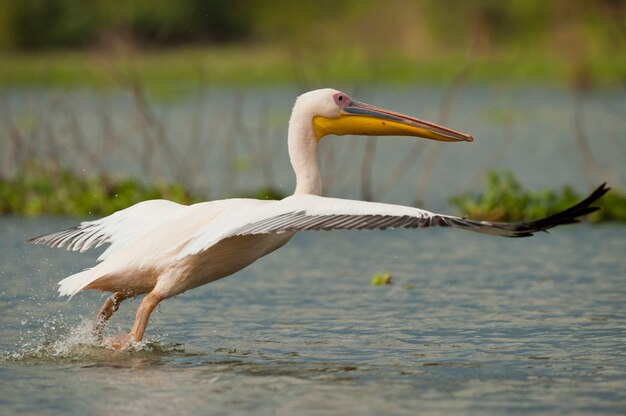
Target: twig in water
{"points": [[448, 98], [367, 164], [583, 145]]}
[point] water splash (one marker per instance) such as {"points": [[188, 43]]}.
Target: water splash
{"points": [[58, 343]]}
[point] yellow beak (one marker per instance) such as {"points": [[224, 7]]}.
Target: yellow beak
{"points": [[364, 119]]}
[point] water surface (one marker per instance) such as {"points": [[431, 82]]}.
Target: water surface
{"points": [[471, 325]]}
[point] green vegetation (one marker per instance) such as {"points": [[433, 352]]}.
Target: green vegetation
{"points": [[382, 279], [157, 42], [169, 47], [505, 199], [48, 189], [45, 188], [180, 70]]}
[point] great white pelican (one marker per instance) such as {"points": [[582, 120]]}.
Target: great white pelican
{"points": [[161, 248]]}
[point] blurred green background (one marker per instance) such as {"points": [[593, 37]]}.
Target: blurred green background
{"points": [[577, 42], [106, 103]]}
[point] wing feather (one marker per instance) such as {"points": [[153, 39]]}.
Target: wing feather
{"points": [[315, 213], [116, 229]]}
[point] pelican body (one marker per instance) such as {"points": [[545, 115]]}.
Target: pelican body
{"points": [[161, 248]]}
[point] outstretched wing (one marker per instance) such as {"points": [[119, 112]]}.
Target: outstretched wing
{"points": [[315, 213], [116, 229]]}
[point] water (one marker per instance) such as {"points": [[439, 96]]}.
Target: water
{"points": [[226, 141], [471, 325]]}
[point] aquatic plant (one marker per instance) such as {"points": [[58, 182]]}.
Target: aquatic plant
{"points": [[382, 279], [46, 188], [505, 199]]}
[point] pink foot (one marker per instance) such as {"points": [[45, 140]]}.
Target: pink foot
{"points": [[119, 342]]}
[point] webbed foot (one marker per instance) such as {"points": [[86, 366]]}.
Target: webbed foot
{"points": [[119, 342]]}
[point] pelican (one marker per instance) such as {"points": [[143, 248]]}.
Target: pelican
{"points": [[161, 249]]}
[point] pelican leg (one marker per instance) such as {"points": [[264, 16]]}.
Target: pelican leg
{"points": [[144, 310], [146, 307], [111, 305]]}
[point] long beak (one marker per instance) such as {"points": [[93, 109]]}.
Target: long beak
{"points": [[364, 119]]}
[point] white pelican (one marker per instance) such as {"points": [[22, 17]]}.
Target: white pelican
{"points": [[161, 248]]}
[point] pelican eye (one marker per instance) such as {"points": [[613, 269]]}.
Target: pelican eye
{"points": [[341, 100]]}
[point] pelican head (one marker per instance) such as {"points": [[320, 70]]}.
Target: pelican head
{"points": [[334, 112], [319, 113]]}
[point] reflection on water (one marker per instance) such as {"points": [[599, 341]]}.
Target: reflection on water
{"points": [[472, 325]]}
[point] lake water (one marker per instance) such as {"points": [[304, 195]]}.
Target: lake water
{"points": [[471, 325]]}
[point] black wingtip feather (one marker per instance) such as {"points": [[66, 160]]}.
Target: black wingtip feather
{"points": [[571, 215]]}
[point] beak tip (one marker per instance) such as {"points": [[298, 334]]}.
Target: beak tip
{"points": [[470, 138]]}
